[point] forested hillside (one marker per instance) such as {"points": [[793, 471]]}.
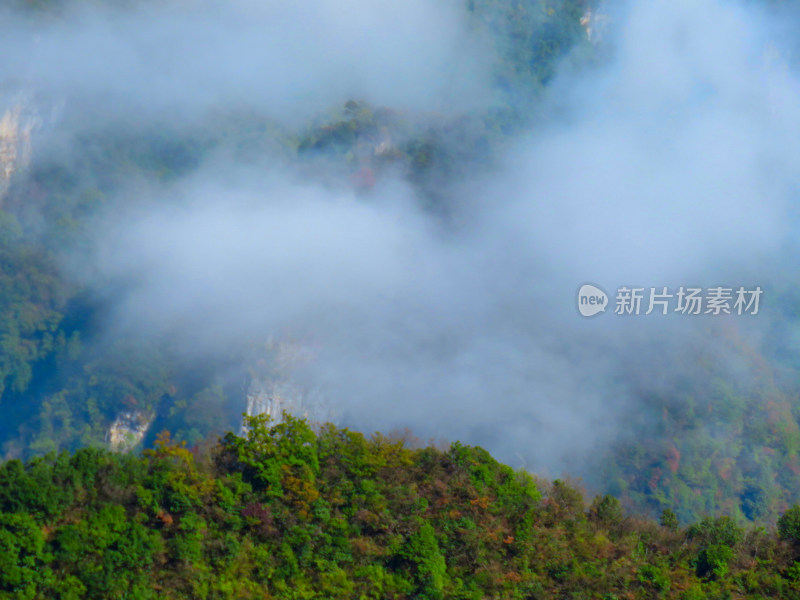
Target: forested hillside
{"points": [[172, 220], [289, 513]]}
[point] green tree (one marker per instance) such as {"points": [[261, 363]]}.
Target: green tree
{"points": [[21, 555], [423, 551], [789, 525]]}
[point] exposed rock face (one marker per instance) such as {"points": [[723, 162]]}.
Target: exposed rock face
{"points": [[19, 119], [594, 24], [127, 430], [274, 397], [277, 391]]}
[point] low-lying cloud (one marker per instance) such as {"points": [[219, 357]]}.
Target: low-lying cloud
{"points": [[673, 163]]}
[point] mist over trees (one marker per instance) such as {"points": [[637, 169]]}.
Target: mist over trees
{"points": [[404, 197]]}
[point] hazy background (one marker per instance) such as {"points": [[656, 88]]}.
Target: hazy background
{"points": [[670, 160]]}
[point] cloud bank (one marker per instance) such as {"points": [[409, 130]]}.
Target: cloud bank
{"points": [[671, 163]]}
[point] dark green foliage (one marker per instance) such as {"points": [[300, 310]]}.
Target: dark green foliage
{"points": [[713, 560], [653, 577], [606, 511], [21, 555], [29, 308], [286, 512], [713, 444], [717, 539], [789, 525], [422, 550], [669, 520], [722, 531]]}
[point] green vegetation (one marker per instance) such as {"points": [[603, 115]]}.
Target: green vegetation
{"points": [[287, 512], [715, 443]]}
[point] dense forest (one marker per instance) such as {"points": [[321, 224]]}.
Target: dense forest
{"points": [[287, 512], [697, 489]]}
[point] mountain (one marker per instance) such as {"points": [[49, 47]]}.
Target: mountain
{"points": [[287, 512], [380, 217]]}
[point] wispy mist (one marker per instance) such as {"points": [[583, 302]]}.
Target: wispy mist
{"points": [[181, 59], [671, 162]]}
